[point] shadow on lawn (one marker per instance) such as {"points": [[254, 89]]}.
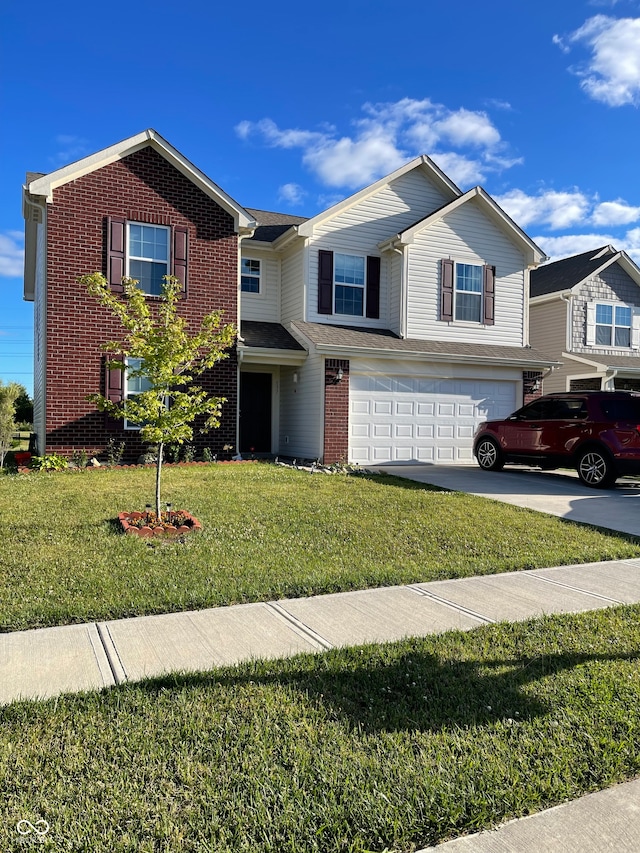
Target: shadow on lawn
{"points": [[415, 692]]}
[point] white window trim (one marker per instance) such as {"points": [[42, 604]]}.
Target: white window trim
{"points": [[634, 343], [473, 323], [259, 291], [362, 286], [129, 257]]}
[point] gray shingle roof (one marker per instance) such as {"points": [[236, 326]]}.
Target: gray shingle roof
{"points": [[272, 225], [564, 274], [387, 342], [267, 335]]}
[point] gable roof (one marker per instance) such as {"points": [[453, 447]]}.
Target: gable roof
{"points": [[44, 185], [423, 163], [567, 273], [491, 208]]}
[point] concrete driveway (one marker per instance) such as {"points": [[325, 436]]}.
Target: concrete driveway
{"points": [[558, 493]]}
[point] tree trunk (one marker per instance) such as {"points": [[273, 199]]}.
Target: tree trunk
{"points": [[158, 475]]}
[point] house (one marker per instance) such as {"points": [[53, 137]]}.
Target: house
{"points": [[585, 313], [384, 328]]}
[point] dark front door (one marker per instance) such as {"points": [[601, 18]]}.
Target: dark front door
{"points": [[255, 413]]}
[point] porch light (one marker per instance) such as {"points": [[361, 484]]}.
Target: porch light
{"points": [[338, 376]]}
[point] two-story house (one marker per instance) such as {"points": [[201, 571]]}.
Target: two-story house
{"points": [[384, 328], [585, 313]]}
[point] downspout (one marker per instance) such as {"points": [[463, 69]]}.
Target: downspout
{"points": [[610, 380], [40, 305]]}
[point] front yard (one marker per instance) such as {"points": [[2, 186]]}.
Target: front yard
{"points": [[269, 532], [377, 748]]}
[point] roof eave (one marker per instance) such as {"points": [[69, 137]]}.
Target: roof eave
{"points": [[45, 185]]}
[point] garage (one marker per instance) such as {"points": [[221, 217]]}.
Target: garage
{"points": [[404, 418]]}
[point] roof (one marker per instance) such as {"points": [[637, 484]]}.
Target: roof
{"points": [[267, 336], [272, 225], [44, 185], [491, 208], [621, 363], [566, 273], [332, 338]]}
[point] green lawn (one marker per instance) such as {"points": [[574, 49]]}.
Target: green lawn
{"points": [[269, 532], [377, 748]]}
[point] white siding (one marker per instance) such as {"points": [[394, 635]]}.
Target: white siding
{"points": [[466, 235], [292, 285], [302, 410], [265, 305], [359, 229], [395, 263]]}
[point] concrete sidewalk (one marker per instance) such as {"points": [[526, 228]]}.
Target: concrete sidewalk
{"points": [[46, 662]]}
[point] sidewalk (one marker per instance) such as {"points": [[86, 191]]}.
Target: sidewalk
{"points": [[46, 662]]}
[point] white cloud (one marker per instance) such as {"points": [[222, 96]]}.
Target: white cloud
{"points": [[572, 244], [462, 170], [291, 193], [71, 148], [612, 74], [11, 254], [558, 210], [388, 135], [615, 213]]}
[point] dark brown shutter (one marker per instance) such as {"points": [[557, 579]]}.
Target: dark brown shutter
{"points": [[446, 290], [179, 266], [113, 390], [488, 299], [116, 237], [325, 282], [373, 287]]}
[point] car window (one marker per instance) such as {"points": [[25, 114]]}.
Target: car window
{"points": [[567, 410], [535, 411], [621, 409]]}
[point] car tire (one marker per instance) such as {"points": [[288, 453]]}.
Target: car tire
{"points": [[596, 469], [489, 455]]}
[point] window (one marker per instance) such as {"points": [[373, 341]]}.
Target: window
{"points": [[468, 293], [148, 256], [613, 325], [250, 276], [349, 282], [134, 385]]}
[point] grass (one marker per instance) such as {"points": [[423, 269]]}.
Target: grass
{"points": [[389, 747], [269, 532]]}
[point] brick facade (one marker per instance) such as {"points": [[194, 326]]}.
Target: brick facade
{"points": [[336, 411], [141, 187], [531, 386]]}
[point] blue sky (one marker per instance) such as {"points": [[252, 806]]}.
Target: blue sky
{"points": [[293, 106]]}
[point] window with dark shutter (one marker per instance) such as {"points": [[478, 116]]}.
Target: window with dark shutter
{"points": [[488, 300], [115, 252], [113, 390], [373, 288], [446, 289], [179, 266], [325, 282]]}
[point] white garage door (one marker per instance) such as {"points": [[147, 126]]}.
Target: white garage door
{"points": [[394, 418]]}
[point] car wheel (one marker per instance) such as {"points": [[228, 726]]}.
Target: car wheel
{"points": [[595, 469], [489, 455]]}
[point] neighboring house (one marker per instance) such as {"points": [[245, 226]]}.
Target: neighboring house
{"points": [[382, 329], [585, 313]]}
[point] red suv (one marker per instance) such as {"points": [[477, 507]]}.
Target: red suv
{"points": [[595, 432]]}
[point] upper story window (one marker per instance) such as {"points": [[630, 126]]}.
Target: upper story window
{"points": [[613, 325], [148, 255], [468, 293], [349, 283], [250, 276]]}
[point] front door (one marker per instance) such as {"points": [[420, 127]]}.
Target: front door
{"points": [[255, 413]]}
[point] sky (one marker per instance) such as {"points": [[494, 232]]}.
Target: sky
{"points": [[291, 107]]}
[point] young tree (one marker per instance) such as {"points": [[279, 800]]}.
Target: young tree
{"points": [[24, 407], [159, 348], [8, 396]]}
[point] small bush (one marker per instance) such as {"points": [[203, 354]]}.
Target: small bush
{"points": [[114, 452], [49, 462]]}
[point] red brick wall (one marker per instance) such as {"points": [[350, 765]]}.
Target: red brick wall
{"points": [[336, 411], [531, 378], [142, 187]]}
